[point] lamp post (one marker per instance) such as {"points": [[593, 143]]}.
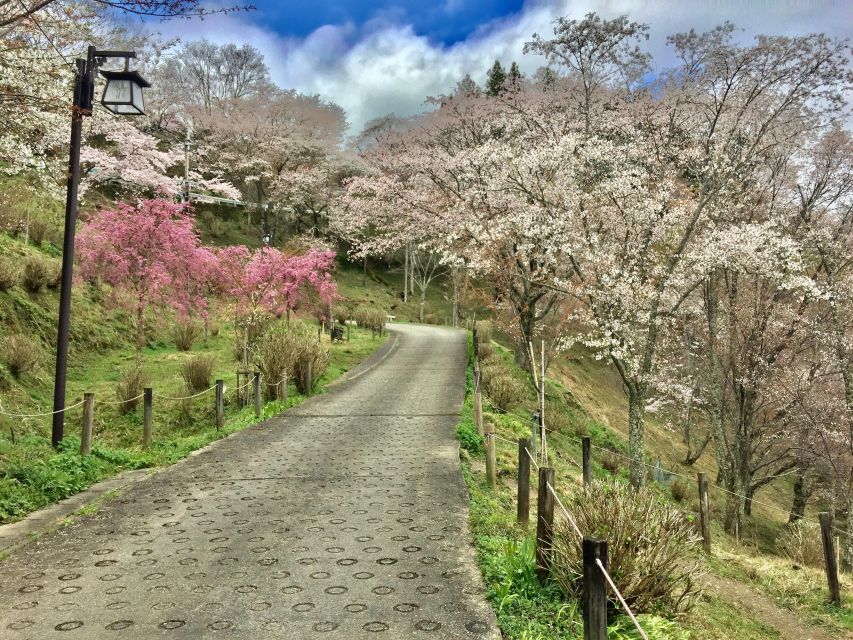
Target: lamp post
{"points": [[122, 95]]}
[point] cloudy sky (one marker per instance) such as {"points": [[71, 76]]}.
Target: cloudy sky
{"points": [[380, 57]]}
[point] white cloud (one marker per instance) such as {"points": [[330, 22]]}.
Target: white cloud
{"points": [[384, 66]]}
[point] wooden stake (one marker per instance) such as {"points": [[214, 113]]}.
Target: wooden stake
{"points": [[259, 402], [829, 558], [594, 590], [544, 524], [523, 515], [88, 420], [491, 462], [147, 416], [220, 404], [704, 513], [586, 446]]}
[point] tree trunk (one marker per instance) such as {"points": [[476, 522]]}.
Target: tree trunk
{"points": [[406, 276], [454, 276], [421, 306], [636, 428], [847, 551], [526, 324], [802, 492], [140, 333]]}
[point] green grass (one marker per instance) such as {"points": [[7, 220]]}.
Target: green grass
{"points": [[33, 474]]}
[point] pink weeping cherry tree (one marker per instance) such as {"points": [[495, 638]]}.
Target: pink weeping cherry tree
{"points": [[266, 283], [151, 256]]}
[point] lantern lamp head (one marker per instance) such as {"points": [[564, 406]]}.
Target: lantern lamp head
{"points": [[123, 93]]}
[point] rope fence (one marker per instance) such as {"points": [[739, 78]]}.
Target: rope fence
{"points": [[597, 581], [148, 397], [40, 415]]}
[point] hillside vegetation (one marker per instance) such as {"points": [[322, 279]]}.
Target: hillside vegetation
{"points": [[583, 398]]}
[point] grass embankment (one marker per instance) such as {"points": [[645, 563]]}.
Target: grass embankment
{"points": [[527, 610], [33, 475]]}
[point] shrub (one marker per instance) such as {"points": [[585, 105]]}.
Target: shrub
{"points": [[431, 318], [680, 490], [129, 388], [197, 372], [290, 348], [505, 392], [20, 354], [611, 462], [370, 318], [271, 357], [484, 331], [10, 274], [38, 273], [308, 350], [556, 418], [651, 547], [38, 231], [485, 350], [801, 543], [184, 335]]}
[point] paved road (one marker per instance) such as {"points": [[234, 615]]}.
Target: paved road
{"points": [[345, 518]]}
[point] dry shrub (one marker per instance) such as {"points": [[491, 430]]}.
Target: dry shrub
{"points": [[197, 372], [271, 358], [10, 274], [184, 335], [611, 462], [214, 330], [370, 318], [505, 392], [556, 419], [484, 331], [680, 490], [129, 387], [291, 348], [38, 273], [801, 543], [39, 230], [431, 318], [485, 350], [20, 354], [651, 547]]}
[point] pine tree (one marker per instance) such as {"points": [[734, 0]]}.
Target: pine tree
{"points": [[467, 87], [513, 80], [495, 79], [546, 77]]}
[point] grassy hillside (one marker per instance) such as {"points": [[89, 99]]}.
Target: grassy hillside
{"points": [[585, 398]]}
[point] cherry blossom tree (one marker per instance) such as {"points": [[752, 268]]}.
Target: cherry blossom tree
{"points": [[151, 256], [267, 283]]}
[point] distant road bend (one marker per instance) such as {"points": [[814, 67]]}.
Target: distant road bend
{"points": [[345, 518]]}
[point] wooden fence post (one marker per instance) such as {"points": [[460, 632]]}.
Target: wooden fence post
{"points": [[491, 461], [523, 515], [220, 404], [704, 513], [586, 445], [594, 590], [282, 388], [88, 419], [308, 380], [544, 524], [147, 410], [829, 558], [478, 404], [256, 384]]}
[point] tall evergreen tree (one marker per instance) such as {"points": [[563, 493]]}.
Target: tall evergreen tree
{"points": [[467, 87], [495, 79], [513, 80]]}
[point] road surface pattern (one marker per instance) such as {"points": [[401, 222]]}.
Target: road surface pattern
{"points": [[344, 518]]}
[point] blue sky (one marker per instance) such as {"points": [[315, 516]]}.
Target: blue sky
{"points": [[375, 58], [445, 22]]}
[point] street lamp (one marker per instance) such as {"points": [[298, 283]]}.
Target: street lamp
{"points": [[123, 95]]}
